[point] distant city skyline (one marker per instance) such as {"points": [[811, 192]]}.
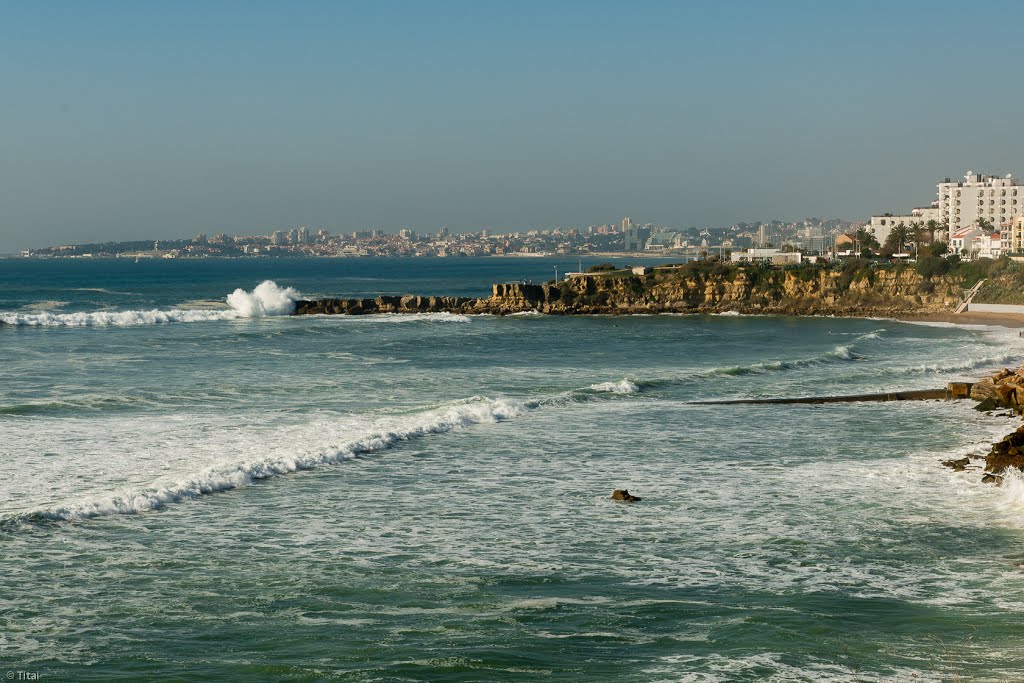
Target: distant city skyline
{"points": [[129, 120]]}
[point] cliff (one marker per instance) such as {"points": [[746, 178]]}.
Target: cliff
{"points": [[692, 288]]}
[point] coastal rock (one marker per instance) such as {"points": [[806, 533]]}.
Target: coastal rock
{"points": [[958, 465], [696, 287], [992, 479], [625, 495], [987, 405], [1009, 452]]}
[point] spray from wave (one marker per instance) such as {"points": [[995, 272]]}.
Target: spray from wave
{"points": [[267, 299]]}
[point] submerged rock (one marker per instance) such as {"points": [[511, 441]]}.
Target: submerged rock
{"points": [[992, 479], [958, 465], [625, 495]]}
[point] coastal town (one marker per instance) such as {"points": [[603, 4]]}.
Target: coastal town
{"points": [[978, 217]]}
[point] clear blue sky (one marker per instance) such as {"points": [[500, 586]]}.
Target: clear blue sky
{"points": [[153, 119]]}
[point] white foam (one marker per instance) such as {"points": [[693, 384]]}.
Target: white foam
{"points": [[267, 299], [623, 386], [846, 353], [1012, 489], [377, 436]]}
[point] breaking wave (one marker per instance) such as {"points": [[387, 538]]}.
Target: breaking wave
{"points": [[623, 386], [380, 435], [267, 299]]}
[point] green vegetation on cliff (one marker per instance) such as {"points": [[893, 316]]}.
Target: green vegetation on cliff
{"points": [[1004, 281]]}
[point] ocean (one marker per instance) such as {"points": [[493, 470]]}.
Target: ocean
{"points": [[204, 491]]}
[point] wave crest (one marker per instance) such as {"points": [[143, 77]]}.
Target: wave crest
{"points": [[623, 386], [267, 299], [379, 435]]}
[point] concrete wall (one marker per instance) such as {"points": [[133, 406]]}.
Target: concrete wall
{"points": [[995, 308]]}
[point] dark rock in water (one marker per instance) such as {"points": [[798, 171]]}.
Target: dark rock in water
{"points": [[624, 494], [992, 479], [958, 465], [1007, 453], [987, 404]]}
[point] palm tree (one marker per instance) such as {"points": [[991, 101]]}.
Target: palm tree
{"points": [[898, 238], [866, 239]]}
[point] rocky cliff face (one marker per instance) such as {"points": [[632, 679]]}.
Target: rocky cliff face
{"points": [[687, 290], [745, 291]]}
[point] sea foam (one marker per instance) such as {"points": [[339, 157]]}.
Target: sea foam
{"points": [[378, 435], [267, 299]]}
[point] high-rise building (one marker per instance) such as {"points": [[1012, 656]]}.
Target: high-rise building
{"points": [[407, 234], [994, 200], [277, 238], [636, 238], [442, 231], [627, 223], [303, 235]]}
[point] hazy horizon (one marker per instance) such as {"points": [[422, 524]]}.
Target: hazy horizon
{"points": [[131, 121]]}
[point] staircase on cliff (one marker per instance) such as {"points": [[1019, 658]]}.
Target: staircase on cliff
{"points": [[967, 297]]}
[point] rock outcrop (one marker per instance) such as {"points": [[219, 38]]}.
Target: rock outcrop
{"points": [[691, 288], [625, 495], [386, 304], [1001, 389]]}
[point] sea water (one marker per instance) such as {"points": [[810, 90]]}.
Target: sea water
{"points": [[197, 486]]}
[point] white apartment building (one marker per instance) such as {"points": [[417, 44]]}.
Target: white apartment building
{"points": [[883, 225], [1013, 239], [987, 246], [962, 241], [996, 199]]}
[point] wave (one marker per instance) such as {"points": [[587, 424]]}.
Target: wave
{"points": [[623, 386], [266, 299], [381, 435], [440, 317], [839, 353], [845, 353]]}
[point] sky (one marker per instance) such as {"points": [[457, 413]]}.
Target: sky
{"points": [[146, 119]]}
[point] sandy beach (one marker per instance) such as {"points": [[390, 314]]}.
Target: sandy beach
{"points": [[1012, 320]]}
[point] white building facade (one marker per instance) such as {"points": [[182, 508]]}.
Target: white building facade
{"points": [[994, 198], [775, 257], [987, 246], [881, 226]]}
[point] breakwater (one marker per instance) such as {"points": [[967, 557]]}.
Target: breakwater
{"points": [[951, 392]]}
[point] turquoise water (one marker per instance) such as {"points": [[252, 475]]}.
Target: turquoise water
{"points": [[225, 497]]}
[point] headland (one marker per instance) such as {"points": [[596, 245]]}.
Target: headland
{"points": [[855, 289]]}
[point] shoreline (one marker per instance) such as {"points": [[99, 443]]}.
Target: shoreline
{"points": [[1008, 320]]}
